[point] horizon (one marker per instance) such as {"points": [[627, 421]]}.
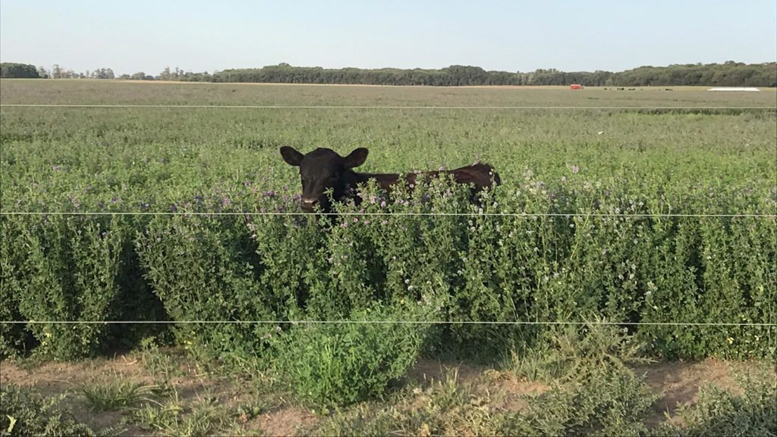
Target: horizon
{"points": [[172, 68], [496, 36]]}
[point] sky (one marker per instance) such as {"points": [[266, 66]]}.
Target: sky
{"points": [[614, 35]]}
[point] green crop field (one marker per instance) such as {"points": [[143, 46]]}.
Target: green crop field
{"points": [[650, 209]]}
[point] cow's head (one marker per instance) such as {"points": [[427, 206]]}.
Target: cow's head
{"points": [[322, 170]]}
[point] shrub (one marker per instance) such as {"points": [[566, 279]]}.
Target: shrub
{"points": [[338, 364], [13, 337], [201, 269], [68, 273]]}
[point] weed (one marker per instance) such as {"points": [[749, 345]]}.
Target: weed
{"points": [[26, 413], [115, 395]]}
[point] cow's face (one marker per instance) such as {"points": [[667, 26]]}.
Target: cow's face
{"points": [[322, 170]]}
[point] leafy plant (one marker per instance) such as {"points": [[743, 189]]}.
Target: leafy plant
{"points": [[26, 413], [342, 363]]}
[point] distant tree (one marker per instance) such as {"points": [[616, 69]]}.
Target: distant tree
{"points": [[730, 73], [42, 72], [166, 74], [124, 76], [138, 76], [102, 73], [14, 70]]}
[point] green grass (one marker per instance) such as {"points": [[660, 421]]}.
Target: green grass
{"points": [[114, 395], [172, 418]]}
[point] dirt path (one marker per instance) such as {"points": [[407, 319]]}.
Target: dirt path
{"points": [[677, 383]]}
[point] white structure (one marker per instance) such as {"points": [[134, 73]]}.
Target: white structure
{"points": [[733, 89]]}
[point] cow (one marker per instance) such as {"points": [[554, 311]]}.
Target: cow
{"points": [[324, 169]]}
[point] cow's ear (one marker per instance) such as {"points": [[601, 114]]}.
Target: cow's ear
{"points": [[291, 156], [356, 158]]}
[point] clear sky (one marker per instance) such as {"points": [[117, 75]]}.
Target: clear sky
{"points": [[144, 35]]}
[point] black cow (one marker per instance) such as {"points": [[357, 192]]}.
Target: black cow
{"points": [[323, 169]]}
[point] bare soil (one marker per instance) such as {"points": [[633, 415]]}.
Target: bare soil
{"points": [[677, 383]]}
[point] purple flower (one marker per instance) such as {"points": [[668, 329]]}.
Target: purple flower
{"points": [[266, 336], [246, 183], [382, 203], [575, 169], [56, 168], [225, 201], [269, 194], [173, 208]]}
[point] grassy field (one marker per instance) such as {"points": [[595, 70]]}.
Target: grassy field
{"points": [[22, 91], [661, 221]]}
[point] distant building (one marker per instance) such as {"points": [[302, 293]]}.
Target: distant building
{"points": [[576, 86]]}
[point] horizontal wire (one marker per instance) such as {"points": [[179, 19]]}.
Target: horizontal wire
{"points": [[369, 322], [387, 214], [130, 106]]}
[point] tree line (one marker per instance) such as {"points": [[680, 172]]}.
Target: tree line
{"points": [[726, 74]]}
